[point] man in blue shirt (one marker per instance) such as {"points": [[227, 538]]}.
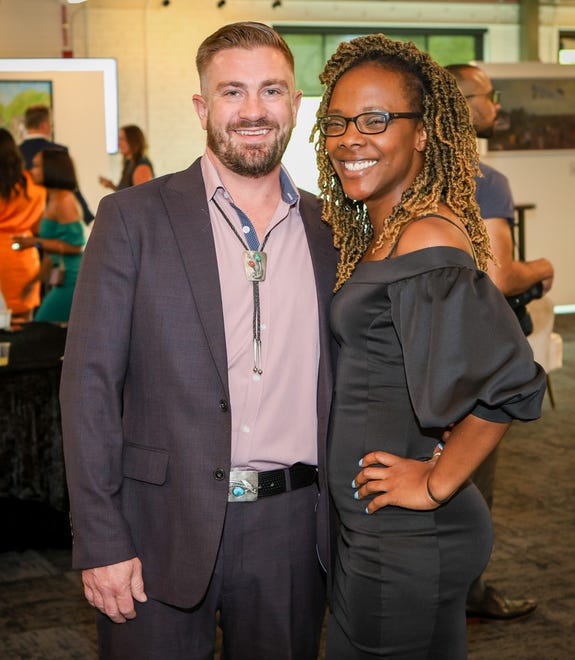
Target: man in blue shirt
{"points": [[515, 279]]}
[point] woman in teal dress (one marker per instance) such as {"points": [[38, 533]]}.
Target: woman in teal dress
{"points": [[61, 234]]}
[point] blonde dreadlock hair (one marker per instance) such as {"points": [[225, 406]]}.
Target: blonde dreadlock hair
{"points": [[451, 160]]}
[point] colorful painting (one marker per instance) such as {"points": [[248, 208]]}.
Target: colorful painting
{"points": [[16, 96], [536, 113]]}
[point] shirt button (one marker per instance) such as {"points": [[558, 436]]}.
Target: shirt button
{"points": [[223, 405], [219, 474]]}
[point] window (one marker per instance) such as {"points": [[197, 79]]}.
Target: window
{"points": [[313, 46], [566, 48]]}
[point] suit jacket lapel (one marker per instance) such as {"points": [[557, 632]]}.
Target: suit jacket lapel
{"points": [[185, 198], [187, 206], [324, 255], [324, 258]]}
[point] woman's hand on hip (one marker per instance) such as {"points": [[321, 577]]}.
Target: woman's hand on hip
{"points": [[394, 480]]}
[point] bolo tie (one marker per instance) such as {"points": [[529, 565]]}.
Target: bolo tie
{"points": [[254, 261]]}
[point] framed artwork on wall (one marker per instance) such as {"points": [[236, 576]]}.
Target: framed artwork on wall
{"points": [[16, 96], [76, 82], [536, 114], [537, 106]]}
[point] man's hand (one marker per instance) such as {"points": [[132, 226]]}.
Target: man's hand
{"points": [[547, 284], [112, 589]]}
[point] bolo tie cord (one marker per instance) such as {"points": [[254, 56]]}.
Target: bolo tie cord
{"points": [[256, 324]]}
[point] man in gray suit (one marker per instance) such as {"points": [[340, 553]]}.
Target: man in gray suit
{"points": [[196, 386]]}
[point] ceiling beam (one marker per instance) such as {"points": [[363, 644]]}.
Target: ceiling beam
{"points": [[529, 30]]}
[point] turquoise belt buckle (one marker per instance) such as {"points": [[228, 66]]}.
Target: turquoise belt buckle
{"points": [[243, 486]]}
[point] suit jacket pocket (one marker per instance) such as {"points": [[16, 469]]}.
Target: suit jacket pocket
{"points": [[145, 464]]}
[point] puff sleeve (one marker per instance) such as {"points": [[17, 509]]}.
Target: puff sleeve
{"points": [[463, 349]]}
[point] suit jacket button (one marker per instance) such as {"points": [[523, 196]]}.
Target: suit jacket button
{"points": [[223, 405], [220, 474]]}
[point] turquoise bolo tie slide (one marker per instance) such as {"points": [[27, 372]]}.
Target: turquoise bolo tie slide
{"points": [[255, 265], [243, 486]]}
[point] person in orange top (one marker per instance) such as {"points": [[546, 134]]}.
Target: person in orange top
{"points": [[21, 205]]}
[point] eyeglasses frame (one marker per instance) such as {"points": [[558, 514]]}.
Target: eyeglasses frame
{"points": [[494, 95], [388, 116]]}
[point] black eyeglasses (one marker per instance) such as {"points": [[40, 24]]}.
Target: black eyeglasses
{"points": [[494, 95], [370, 123]]}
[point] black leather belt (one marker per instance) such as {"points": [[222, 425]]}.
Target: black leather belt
{"points": [[249, 485]]}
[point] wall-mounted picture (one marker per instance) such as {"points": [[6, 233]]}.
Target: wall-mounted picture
{"points": [[16, 96], [536, 113]]}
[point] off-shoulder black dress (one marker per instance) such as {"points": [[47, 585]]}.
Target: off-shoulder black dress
{"points": [[426, 338]]}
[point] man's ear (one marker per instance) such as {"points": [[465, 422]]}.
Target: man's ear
{"points": [[296, 105], [202, 109]]}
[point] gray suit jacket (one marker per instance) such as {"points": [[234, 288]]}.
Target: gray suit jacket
{"points": [[144, 390]]}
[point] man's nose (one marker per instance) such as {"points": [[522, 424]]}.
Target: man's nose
{"points": [[253, 107]]}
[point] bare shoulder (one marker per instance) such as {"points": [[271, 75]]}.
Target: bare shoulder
{"points": [[434, 231], [68, 209]]}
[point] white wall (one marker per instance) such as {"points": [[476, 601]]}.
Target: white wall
{"points": [[78, 103], [155, 48], [546, 179]]}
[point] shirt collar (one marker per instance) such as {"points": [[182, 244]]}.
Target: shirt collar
{"points": [[32, 135], [213, 183]]}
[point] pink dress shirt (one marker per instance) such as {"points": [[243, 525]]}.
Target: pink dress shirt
{"points": [[274, 418]]}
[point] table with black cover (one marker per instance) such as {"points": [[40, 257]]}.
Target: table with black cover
{"points": [[33, 495]]}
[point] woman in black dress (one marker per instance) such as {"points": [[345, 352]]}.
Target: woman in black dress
{"points": [[137, 167], [427, 345]]}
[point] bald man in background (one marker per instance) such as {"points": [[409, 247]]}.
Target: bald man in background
{"points": [[519, 281]]}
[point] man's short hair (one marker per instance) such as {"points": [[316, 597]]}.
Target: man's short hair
{"points": [[246, 34], [36, 115]]}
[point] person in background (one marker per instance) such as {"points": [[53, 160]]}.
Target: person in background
{"points": [[38, 124], [195, 436], [137, 167], [21, 206], [38, 135], [427, 343], [517, 280], [60, 237]]}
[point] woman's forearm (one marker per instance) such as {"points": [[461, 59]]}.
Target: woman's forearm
{"points": [[468, 445], [51, 245], [56, 246]]}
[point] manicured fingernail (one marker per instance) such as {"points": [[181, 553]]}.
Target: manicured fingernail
{"points": [[353, 484], [360, 462], [366, 511], [356, 495]]}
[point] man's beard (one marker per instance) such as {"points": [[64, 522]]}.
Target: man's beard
{"points": [[251, 160], [485, 131]]}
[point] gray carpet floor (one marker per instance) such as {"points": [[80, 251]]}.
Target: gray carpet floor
{"points": [[43, 615]]}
